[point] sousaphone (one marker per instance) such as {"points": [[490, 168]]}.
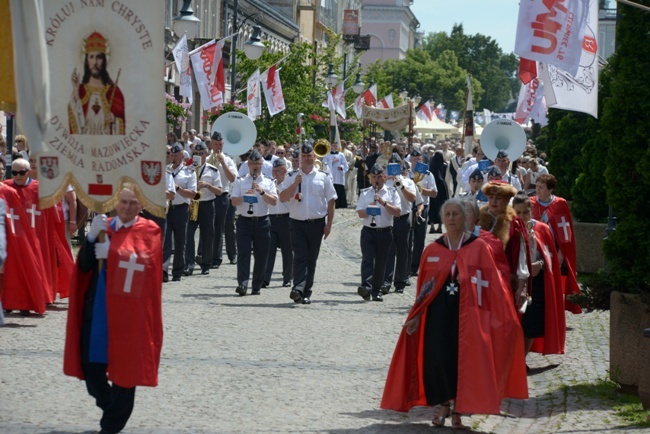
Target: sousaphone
{"points": [[238, 132], [503, 135]]}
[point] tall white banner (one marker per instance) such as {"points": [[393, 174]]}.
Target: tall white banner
{"points": [[552, 32], [578, 92], [204, 72], [273, 90], [531, 103], [182, 59], [254, 96], [108, 104]]}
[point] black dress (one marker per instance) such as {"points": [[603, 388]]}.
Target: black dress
{"points": [[438, 168], [440, 349]]}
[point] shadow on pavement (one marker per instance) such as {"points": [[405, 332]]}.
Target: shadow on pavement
{"points": [[289, 304], [536, 371], [16, 326]]}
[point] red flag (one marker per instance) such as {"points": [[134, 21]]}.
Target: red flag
{"points": [[370, 96], [270, 77], [527, 70], [219, 80]]}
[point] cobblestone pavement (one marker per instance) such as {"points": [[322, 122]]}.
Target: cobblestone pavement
{"points": [[260, 364]]}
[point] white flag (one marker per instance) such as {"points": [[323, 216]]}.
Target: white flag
{"points": [[487, 114], [203, 63], [577, 92], [254, 96], [273, 90], [182, 59], [528, 100], [552, 32], [358, 106], [338, 93]]}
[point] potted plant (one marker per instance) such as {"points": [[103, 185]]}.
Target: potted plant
{"points": [[177, 112]]}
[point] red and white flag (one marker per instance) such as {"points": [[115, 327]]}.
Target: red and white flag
{"points": [[218, 77], [254, 96], [425, 109], [203, 62], [370, 96], [438, 110], [552, 32], [338, 100], [273, 90], [182, 59], [386, 102], [530, 97], [578, 92]]}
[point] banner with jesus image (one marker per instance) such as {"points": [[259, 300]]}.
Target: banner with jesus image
{"points": [[106, 101]]}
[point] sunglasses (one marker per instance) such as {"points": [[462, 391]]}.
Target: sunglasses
{"points": [[19, 172]]}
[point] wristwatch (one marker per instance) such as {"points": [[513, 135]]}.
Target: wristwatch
{"points": [[262, 193]]}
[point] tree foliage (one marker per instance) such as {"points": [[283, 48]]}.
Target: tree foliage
{"points": [[628, 164], [482, 57]]}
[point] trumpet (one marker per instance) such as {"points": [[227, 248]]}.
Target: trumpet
{"points": [[398, 183], [250, 205]]}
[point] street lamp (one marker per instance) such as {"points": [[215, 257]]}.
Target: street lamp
{"points": [[185, 22], [403, 93], [331, 78], [253, 48], [358, 85]]}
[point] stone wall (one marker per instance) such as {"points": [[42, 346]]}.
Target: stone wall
{"points": [[589, 246]]}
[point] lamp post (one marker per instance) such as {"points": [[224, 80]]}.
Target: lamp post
{"points": [[330, 80], [185, 23], [253, 48]]}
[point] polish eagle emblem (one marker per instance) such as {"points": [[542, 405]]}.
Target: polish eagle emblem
{"points": [[151, 171]]}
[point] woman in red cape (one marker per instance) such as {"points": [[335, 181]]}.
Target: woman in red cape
{"points": [[555, 212], [544, 323], [461, 340]]}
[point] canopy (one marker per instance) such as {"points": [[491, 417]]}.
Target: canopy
{"points": [[478, 130], [433, 126]]}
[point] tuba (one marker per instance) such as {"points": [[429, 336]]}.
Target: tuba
{"points": [[238, 131], [321, 148], [503, 135]]}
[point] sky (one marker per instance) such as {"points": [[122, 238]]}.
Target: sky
{"points": [[494, 18]]}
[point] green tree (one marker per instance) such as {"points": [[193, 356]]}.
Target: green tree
{"points": [[482, 57], [628, 163]]}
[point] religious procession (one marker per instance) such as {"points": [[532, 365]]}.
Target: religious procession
{"points": [[111, 202]]}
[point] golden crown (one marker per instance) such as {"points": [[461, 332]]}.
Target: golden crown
{"points": [[96, 42]]}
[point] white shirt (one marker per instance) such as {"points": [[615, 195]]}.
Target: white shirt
{"points": [[169, 181], [513, 180], [367, 197], [279, 207], [267, 169], [317, 191], [336, 165], [409, 185], [208, 174], [184, 177], [428, 182], [225, 184], [240, 188]]}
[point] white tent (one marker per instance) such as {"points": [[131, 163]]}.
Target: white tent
{"points": [[477, 130], [434, 126]]}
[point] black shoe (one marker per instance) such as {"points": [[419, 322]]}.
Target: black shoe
{"points": [[176, 279], [432, 230], [385, 289], [233, 261], [214, 266], [364, 293], [286, 284], [188, 271], [265, 285], [438, 231], [306, 300], [24, 313], [296, 296], [198, 259], [241, 290], [165, 277], [377, 297], [205, 272], [255, 292], [399, 290]]}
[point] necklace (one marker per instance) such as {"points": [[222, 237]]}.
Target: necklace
{"points": [[452, 288]]}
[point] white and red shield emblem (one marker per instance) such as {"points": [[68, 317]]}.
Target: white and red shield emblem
{"points": [[151, 171], [49, 167]]}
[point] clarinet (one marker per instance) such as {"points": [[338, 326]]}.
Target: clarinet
{"points": [[373, 223], [250, 205]]}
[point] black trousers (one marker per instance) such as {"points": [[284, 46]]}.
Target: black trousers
{"points": [[224, 227], [281, 237], [176, 227], [205, 223], [341, 199], [255, 233], [374, 253], [397, 265], [306, 237], [115, 401], [419, 236]]}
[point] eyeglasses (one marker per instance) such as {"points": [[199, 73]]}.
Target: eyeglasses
{"points": [[19, 172], [18, 140]]}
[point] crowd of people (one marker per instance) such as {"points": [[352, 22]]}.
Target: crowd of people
{"points": [[493, 285]]}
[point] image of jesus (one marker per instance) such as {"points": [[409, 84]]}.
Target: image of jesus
{"points": [[97, 104]]}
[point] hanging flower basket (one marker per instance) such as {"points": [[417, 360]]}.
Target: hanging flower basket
{"points": [[176, 111], [212, 116]]}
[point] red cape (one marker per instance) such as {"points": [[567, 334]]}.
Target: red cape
{"points": [[134, 318], [554, 319], [491, 362], [64, 262], [22, 280], [558, 216], [41, 225], [496, 247]]}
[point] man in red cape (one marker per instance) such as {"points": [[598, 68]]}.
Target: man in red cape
{"points": [[554, 319], [490, 365], [554, 211], [20, 287], [114, 329]]}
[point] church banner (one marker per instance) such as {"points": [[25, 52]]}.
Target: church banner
{"points": [[107, 102]]}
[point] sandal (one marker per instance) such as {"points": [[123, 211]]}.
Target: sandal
{"points": [[439, 419], [456, 423]]}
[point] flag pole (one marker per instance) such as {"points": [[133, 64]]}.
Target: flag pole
{"points": [[468, 122]]}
